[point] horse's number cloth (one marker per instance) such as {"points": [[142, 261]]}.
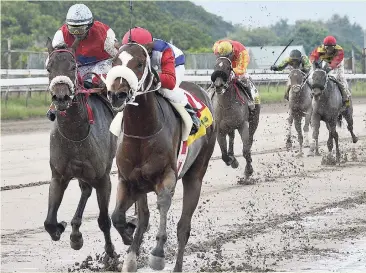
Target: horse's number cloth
{"points": [[205, 115]]}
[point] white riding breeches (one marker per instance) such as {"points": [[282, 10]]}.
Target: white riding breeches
{"points": [[99, 68], [253, 90], [177, 94]]}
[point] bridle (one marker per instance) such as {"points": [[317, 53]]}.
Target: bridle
{"points": [[137, 87], [231, 82], [75, 87]]}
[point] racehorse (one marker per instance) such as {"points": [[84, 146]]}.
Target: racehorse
{"points": [[81, 146], [147, 156], [299, 106], [327, 106], [232, 113]]}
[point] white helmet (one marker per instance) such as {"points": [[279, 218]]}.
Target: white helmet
{"points": [[79, 15]]}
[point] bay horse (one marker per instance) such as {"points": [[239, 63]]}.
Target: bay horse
{"points": [[327, 106], [81, 146], [147, 155], [232, 113], [300, 105]]}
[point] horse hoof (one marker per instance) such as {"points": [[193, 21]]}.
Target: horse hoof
{"points": [[310, 154], [76, 241], [156, 263], [317, 153], [300, 154], [355, 139], [109, 249], [306, 145], [235, 164], [55, 231], [130, 264]]}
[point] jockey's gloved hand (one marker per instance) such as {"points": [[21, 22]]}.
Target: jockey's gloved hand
{"points": [[274, 67], [232, 76], [328, 69]]}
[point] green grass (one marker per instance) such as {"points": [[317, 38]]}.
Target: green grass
{"points": [[16, 107], [38, 104], [274, 94]]}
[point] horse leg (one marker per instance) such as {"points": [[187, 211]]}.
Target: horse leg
{"points": [[76, 237], [103, 196], [314, 146], [129, 263], [290, 120], [299, 133], [234, 164], [56, 192], [191, 192], [164, 192], [124, 200], [244, 133], [348, 117], [306, 129], [333, 135], [221, 139], [192, 182], [253, 122]]}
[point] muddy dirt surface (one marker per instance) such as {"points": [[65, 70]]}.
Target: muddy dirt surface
{"points": [[298, 215]]}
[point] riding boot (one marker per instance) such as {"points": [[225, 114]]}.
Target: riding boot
{"points": [[195, 119], [345, 96], [286, 97], [51, 113], [246, 90]]}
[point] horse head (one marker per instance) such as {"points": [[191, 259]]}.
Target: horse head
{"points": [[130, 76], [221, 75], [319, 79], [62, 69], [296, 78]]}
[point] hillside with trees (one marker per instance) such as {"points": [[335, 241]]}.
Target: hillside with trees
{"points": [[190, 27], [28, 23]]}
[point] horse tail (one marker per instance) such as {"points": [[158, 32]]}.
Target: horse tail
{"points": [[339, 120]]}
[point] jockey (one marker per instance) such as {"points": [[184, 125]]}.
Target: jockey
{"points": [[297, 61], [96, 49], [333, 54], [169, 61], [239, 56]]}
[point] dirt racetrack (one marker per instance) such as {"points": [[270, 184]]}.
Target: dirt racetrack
{"points": [[299, 215]]}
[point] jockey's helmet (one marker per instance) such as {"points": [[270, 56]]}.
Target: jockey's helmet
{"points": [[329, 41], [225, 49], [138, 35], [329, 44], [79, 19], [295, 54]]}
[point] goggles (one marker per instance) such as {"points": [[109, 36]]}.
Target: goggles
{"points": [[78, 30], [331, 47]]}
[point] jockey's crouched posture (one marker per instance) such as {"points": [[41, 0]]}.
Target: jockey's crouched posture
{"points": [[239, 57], [96, 49], [296, 61], [333, 54], [169, 61]]}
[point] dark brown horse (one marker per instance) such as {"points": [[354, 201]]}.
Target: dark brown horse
{"points": [[232, 113], [78, 148], [147, 156]]}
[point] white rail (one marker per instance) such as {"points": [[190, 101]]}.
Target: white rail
{"points": [[197, 76]]}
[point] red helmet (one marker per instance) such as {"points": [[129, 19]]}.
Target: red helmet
{"points": [[138, 35], [330, 41]]}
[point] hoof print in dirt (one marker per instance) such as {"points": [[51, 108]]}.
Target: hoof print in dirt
{"points": [[246, 181], [328, 160]]}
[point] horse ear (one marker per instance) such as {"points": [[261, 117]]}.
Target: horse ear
{"points": [[49, 45]]}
